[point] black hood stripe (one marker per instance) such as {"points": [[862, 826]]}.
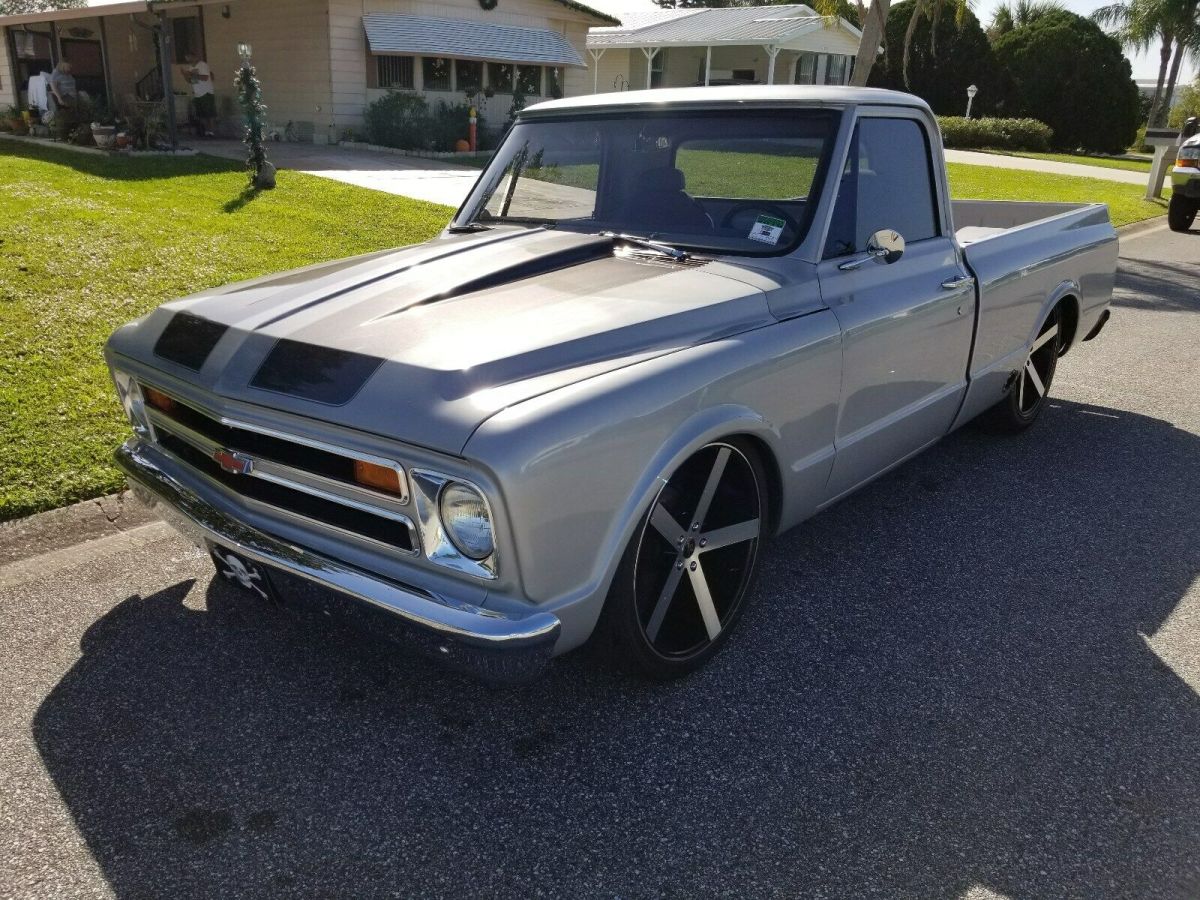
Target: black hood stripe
{"points": [[188, 340], [325, 296], [320, 374]]}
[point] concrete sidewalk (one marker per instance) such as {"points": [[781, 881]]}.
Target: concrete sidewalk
{"points": [[447, 183], [421, 179]]}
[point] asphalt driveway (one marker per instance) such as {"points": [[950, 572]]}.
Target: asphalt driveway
{"points": [[979, 677]]}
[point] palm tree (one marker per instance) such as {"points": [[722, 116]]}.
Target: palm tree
{"points": [[1137, 24], [1019, 14], [874, 22], [933, 10]]}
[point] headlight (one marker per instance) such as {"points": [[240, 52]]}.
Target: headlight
{"points": [[467, 521], [134, 403]]}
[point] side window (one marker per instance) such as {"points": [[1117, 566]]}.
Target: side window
{"points": [[887, 183]]}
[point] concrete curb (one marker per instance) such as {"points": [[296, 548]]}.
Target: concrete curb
{"points": [[71, 525], [1133, 229]]}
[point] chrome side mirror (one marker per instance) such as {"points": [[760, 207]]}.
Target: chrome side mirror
{"points": [[886, 245]]}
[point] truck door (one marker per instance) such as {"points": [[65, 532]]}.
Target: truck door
{"points": [[906, 324]]}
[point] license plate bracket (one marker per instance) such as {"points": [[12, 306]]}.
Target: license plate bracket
{"points": [[245, 575]]}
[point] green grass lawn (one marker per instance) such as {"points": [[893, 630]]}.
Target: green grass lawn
{"points": [[967, 182], [1083, 159], [88, 243], [1125, 203]]}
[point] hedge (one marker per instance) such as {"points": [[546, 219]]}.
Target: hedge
{"points": [[997, 134], [406, 121]]}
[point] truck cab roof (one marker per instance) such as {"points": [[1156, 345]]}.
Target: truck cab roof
{"points": [[822, 95]]}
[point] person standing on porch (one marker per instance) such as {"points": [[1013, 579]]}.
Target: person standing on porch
{"points": [[204, 101]]}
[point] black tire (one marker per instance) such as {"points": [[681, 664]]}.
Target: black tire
{"points": [[655, 622], [1181, 213], [1030, 390]]}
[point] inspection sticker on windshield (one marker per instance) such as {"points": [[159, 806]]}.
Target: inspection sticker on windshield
{"points": [[767, 230]]}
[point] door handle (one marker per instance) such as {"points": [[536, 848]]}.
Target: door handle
{"points": [[958, 281]]}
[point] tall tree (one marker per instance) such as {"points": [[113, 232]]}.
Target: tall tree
{"points": [[964, 57], [1137, 24], [24, 7], [1065, 71], [874, 28]]}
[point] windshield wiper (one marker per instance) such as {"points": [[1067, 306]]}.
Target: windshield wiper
{"points": [[656, 246], [468, 227]]}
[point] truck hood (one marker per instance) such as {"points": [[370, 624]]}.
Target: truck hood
{"points": [[423, 344]]}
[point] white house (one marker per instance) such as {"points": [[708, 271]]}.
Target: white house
{"points": [[320, 61], [739, 45]]}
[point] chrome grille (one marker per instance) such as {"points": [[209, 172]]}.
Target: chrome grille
{"points": [[295, 477]]}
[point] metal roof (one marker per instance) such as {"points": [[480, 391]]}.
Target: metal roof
{"points": [[431, 36], [133, 7], [740, 96], [709, 26]]}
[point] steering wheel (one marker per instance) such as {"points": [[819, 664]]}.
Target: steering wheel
{"points": [[759, 206]]}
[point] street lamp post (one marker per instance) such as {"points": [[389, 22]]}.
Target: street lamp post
{"points": [[971, 92]]}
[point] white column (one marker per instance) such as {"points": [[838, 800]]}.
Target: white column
{"points": [[650, 53], [772, 52], [596, 54], [707, 64]]}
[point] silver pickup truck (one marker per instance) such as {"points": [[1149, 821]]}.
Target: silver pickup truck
{"points": [[664, 326]]}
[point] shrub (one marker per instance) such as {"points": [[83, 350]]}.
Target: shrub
{"points": [[1066, 72], [997, 134], [406, 121], [398, 120], [943, 62], [448, 124]]}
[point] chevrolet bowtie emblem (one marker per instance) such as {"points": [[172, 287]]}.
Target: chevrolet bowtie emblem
{"points": [[232, 462]]}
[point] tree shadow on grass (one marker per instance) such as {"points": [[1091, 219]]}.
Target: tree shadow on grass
{"points": [[954, 679], [121, 168], [250, 192]]}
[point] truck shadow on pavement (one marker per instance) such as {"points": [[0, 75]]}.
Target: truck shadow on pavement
{"points": [[965, 677]]}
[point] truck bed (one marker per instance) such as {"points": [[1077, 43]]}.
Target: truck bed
{"points": [[1026, 257]]}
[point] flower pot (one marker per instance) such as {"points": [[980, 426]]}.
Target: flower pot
{"points": [[105, 136]]}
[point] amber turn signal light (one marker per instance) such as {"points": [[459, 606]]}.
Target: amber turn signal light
{"points": [[158, 399], [373, 475]]}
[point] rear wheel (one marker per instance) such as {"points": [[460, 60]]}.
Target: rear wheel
{"points": [[683, 580], [1028, 394], [1181, 212]]}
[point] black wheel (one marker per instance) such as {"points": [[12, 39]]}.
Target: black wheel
{"points": [[1181, 212], [683, 580], [1026, 398]]}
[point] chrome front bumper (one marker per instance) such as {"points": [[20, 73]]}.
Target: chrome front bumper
{"points": [[484, 643]]}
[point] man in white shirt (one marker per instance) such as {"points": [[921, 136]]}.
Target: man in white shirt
{"points": [[204, 101]]}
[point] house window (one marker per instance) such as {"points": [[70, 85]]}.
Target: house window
{"points": [[806, 68], [395, 72], [743, 76], [468, 76], [554, 82], [435, 71], [657, 64], [186, 39], [500, 77], [529, 80], [835, 69]]}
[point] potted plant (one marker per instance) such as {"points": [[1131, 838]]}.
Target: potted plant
{"points": [[14, 120], [104, 127]]}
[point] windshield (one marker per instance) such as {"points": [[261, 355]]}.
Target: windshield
{"points": [[728, 181]]}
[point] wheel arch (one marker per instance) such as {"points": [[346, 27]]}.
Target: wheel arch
{"points": [[715, 423], [1066, 295]]}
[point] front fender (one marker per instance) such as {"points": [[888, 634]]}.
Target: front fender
{"points": [[579, 467]]}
